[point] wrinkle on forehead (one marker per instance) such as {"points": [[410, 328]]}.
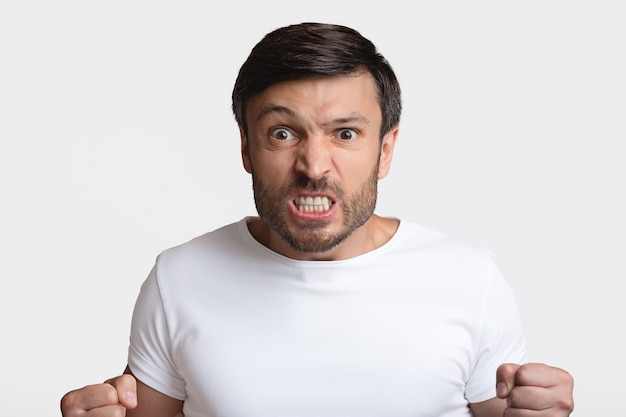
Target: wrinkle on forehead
{"points": [[326, 101], [272, 108]]}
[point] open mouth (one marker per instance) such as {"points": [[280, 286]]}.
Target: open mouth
{"points": [[310, 204]]}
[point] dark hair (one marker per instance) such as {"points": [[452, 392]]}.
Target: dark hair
{"points": [[312, 50]]}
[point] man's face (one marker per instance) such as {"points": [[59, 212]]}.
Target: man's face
{"points": [[315, 155]]}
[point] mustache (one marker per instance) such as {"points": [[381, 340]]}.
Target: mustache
{"points": [[303, 183]]}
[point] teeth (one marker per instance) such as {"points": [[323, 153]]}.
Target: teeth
{"points": [[309, 203]]}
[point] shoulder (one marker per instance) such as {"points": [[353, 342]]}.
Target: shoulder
{"points": [[417, 238], [221, 239], [205, 251], [443, 257]]}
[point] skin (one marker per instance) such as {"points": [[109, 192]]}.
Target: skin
{"points": [[533, 390], [119, 397], [318, 130], [322, 137]]}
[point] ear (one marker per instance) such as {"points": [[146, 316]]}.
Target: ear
{"points": [[245, 152], [386, 151]]}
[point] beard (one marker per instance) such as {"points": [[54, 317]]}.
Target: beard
{"points": [[313, 236]]}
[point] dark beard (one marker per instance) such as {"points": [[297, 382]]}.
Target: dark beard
{"points": [[312, 236]]}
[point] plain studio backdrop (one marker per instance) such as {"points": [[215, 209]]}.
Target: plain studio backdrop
{"points": [[117, 141]]}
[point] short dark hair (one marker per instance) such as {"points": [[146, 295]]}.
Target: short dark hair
{"points": [[314, 50]]}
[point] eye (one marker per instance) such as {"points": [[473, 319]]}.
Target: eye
{"points": [[280, 133], [346, 134]]}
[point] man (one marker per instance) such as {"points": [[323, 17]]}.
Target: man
{"points": [[319, 307]]}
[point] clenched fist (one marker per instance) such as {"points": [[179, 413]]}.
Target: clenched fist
{"points": [[110, 399]]}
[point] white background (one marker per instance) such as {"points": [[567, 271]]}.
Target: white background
{"points": [[117, 141]]}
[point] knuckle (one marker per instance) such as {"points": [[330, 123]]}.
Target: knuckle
{"points": [[523, 374], [566, 378], [119, 412], [110, 393], [509, 412], [68, 402], [565, 403], [514, 396]]}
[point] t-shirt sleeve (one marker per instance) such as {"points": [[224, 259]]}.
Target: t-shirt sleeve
{"points": [[150, 354], [501, 338]]}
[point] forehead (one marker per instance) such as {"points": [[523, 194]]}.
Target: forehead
{"points": [[325, 97]]}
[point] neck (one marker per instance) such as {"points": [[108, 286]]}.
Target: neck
{"points": [[373, 234]]}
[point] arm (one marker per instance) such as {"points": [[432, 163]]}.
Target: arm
{"points": [[545, 390], [490, 408], [152, 403], [123, 395]]}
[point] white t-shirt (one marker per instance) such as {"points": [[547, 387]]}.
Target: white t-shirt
{"points": [[414, 328]]}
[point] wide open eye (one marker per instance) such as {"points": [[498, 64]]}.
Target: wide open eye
{"points": [[280, 133], [346, 134]]}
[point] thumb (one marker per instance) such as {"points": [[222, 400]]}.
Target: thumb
{"points": [[126, 387], [505, 379]]}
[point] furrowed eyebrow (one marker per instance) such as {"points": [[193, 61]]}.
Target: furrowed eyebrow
{"points": [[274, 108], [352, 118]]}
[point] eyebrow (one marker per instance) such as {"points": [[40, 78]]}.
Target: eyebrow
{"points": [[274, 108], [353, 117]]}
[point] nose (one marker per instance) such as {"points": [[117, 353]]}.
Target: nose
{"points": [[314, 157]]}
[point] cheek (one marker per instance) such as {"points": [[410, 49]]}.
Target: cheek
{"points": [[271, 167], [357, 167]]}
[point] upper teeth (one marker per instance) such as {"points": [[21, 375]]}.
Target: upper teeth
{"points": [[313, 203]]}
